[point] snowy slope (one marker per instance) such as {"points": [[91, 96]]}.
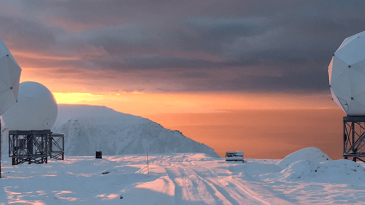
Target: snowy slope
{"points": [[91, 128]]}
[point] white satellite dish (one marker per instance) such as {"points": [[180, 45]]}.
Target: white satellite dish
{"points": [[36, 109], [9, 78], [347, 75]]}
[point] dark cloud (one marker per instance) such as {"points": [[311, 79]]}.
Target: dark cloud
{"points": [[190, 46], [27, 35], [155, 62]]}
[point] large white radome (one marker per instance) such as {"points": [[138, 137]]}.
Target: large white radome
{"points": [[347, 75], [9, 78], [36, 109]]}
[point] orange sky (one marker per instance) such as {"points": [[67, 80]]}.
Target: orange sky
{"points": [[115, 90], [144, 104], [84, 88], [68, 91]]}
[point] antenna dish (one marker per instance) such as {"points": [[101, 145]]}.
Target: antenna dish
{"points": [[347, 75], [36, 109]]}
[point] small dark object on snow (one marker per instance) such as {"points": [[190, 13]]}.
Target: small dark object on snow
{"points": [[98, 155], [106, 172], [121, 197]]}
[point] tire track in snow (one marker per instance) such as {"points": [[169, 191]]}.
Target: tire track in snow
{"points": [[245, 191], [199, 184], [192, 186], [229, 192], [178, 190], [213, 180], [202, 188], [238, 188], [188, 188], [220, 193], [248, 188]]}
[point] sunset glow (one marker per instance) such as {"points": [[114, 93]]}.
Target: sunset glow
{"points": [[144, 104]]}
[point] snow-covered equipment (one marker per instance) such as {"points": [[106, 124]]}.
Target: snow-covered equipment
{"points": [[234, 156], [9, 78], [30, 121], [347, 84]]}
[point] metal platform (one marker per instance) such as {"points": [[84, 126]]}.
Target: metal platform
{"points": [[354, 137], [35, 146]]}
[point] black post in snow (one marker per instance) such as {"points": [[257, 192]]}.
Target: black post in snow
{"points": [[0, 148]]}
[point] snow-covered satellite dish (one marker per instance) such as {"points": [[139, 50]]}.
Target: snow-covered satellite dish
{"points": [[36, 109], [9, 78], [347, 75]]}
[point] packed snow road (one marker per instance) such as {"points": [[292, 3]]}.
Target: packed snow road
{"points": [[169, 179], [200, 183]]}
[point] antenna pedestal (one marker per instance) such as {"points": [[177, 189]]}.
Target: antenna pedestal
{"points": [[354, 137]]}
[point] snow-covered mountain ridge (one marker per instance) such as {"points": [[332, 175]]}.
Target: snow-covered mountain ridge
{"points": [[91, 128]]}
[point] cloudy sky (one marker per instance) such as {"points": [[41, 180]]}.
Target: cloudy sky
{"points": [[89, 51]]}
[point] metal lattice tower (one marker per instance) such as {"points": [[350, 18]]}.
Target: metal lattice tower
{"points": [[354, 137], [35, 146]]}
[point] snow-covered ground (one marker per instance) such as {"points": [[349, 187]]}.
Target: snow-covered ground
{"points": [[188, 178]]}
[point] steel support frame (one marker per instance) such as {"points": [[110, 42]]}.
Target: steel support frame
{"points": [[35, 146], [354, 137], [56, 146], [28, 146]]}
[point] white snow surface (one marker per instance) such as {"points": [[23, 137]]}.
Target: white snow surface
{"points": [[94, 128], [181, 178], [310, 153]]}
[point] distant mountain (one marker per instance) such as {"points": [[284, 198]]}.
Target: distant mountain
{"points": [[92, 128]]}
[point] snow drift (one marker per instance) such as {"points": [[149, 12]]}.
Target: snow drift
{"points": [[91, 128], [312, 165], [310, 153], [339, 171]]}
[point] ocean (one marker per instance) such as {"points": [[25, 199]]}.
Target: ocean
{"points": [[262, 134]]}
